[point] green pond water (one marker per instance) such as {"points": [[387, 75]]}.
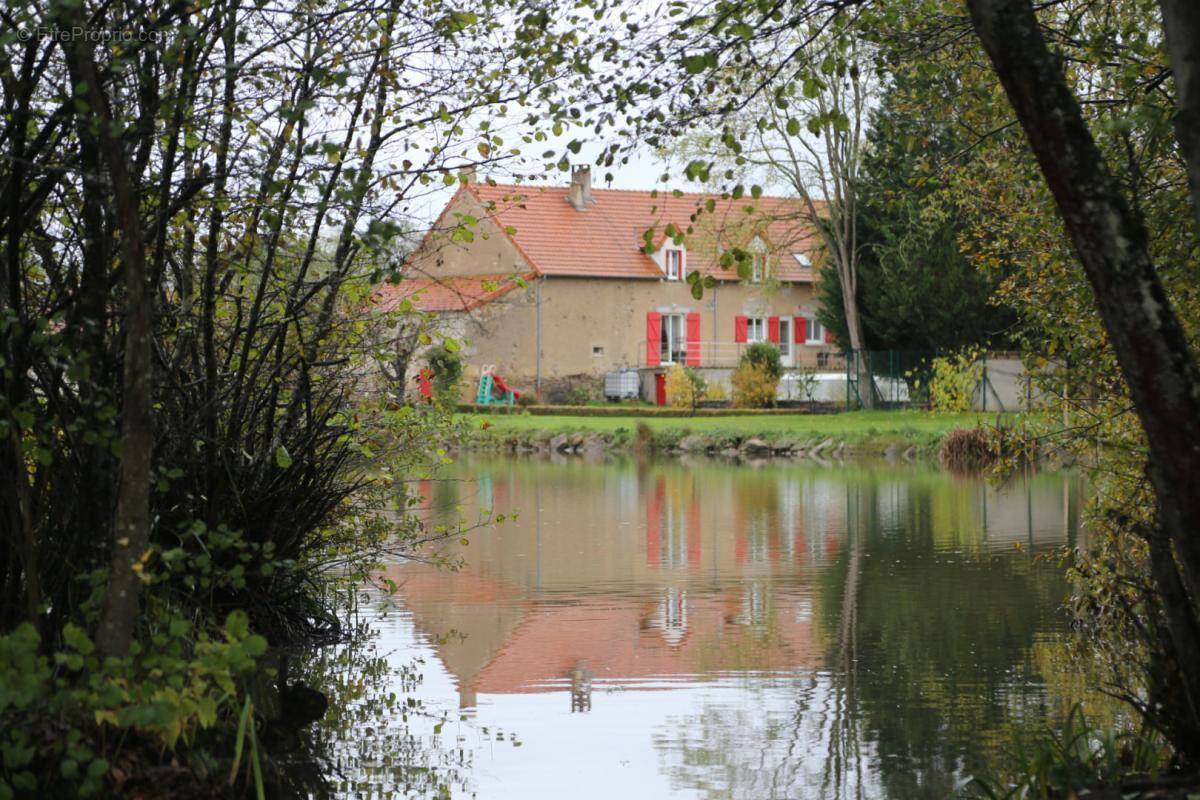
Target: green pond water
{"points": [[702, 630]]}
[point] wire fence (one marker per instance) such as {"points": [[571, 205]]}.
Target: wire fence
{"points": [[901, 379]]}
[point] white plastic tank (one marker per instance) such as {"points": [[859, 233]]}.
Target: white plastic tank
{"points": [[621, 385]]}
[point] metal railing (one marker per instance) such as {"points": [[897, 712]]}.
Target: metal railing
{"points": [[727, 355]]}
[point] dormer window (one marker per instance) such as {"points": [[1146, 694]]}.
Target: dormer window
{"points": [[758, 267], [674, 260]]}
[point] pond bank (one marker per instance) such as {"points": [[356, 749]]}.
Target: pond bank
{"points": [[857, 433]]}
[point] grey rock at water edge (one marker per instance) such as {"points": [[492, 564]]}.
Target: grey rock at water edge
{"points": [[756, 447]]}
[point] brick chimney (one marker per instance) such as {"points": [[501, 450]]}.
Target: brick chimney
{"points": [[580, 193]]}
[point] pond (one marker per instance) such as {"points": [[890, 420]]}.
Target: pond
{"points": [[705, 630]]}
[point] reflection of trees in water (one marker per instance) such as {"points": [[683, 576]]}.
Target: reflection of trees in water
{"points": [[928, 652], [377, 739], [799, 741], [940, 676], [767, 742]]}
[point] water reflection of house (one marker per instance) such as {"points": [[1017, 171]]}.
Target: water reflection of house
{"points": [[639, 574], [494, 642]]}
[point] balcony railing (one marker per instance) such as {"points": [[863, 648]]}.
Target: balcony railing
{"points": [[717, 355]]}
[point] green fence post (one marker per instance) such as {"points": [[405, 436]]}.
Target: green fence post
{"points": [[984, 386]]}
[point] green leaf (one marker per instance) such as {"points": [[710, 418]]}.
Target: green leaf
{"points": [[695, 64], [283, 459]]}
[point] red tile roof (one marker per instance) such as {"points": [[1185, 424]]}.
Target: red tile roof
{"points": [[446, 294], [606, 240]]}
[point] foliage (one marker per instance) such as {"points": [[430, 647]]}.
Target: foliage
{"points": [[917, 290], [399, 351], [1014, 229], [764, 355], [754, 385], [192, 448], [1072, 761], [370, 740], [685, 387], [953, 381], [716, 392], [75, 722], [447, 367]]}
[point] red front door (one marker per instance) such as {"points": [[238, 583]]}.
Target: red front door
{"points": [[660, 389]]}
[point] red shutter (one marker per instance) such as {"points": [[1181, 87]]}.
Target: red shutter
{"points": [[740, 326], [773, 330], [828, 336], [653, 338], [801, 330], [693, 339]]}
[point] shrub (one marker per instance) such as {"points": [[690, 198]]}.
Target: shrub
{"points": [[584, 393], [685, 387], [968, 449], [716, 392], [764, 355], [754, 386], [953, 382], [527, 399], [447, 369]]}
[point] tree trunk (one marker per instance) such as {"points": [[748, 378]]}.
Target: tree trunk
{"points": [[1181, 24], [860, 359], [1146, 336], [131, 528]]}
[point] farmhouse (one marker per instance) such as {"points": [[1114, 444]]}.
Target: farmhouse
{"points": [[557, 287]]}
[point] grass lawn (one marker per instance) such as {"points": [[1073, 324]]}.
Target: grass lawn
{"points": [[851, 427]]}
